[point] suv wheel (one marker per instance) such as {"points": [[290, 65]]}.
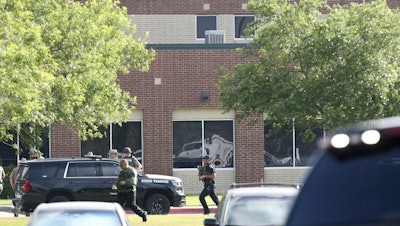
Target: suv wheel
{"points": [[59, 198], [158, 204]]}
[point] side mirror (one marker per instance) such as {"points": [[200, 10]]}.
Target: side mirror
{"points": [[209, 222]]}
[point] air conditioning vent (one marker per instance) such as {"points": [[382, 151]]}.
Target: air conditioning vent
{"points": [[215, 36]]}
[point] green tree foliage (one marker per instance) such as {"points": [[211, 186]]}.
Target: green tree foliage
{"points": [[59, 61], [322, 70]]}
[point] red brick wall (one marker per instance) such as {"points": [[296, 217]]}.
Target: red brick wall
{"points": [[249, 151], [216, 6], [184, 75], [183, 6], [64, 142]]}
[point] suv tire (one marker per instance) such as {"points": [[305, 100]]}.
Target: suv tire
{"points": [[158, 204]]}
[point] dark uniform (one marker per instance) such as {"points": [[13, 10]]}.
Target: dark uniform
{"points": [[127, 192], [209, 187]]}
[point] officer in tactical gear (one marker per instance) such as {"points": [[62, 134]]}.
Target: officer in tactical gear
{"points": [[207, 175], [126, 186], [131, 158]]}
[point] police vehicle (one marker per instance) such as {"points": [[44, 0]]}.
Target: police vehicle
{"points": [[89, 179]]}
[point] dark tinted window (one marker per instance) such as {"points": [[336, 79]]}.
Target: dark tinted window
{"points": [[44, 170], [359, 189], [241, 23], [83, 169], [110, 169], [205, 23]]}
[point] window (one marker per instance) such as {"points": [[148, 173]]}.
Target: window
{"points": [[281, 147], [86, 169], [241, 23], [41, 171], [193, 139], [129, 134], [110, 169], [205, 23]]}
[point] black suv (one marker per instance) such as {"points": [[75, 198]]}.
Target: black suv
{"points": [[90, 179], [356, 180]]}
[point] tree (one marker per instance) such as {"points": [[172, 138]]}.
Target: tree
{"points": [[59, 61], [322, 70]]}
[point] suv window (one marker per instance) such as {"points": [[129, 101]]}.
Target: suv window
{"points": [[110, 169], [36, 170], [82, 169]]}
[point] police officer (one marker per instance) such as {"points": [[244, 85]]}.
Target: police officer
{"points": [[126, 186], [131, 159], [207, 175], [113, 154]]}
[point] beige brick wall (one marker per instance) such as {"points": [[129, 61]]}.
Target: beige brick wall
{"points": [[285, 175], [179, 29], [192, 185], [225, 177]]}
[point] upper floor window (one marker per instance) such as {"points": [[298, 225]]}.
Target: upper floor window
{"points": [[205, 23], [241, 23]]}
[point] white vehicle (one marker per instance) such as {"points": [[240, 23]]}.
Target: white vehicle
{"points": [[260, 204], [82, 213]]}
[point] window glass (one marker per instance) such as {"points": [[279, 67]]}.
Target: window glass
{"points": [[129, 134], [110, 169], [241, 23], [98, 146], [205, 23], [279, 150], [48, 170], [76, 217], [193, 139], [218, 143], [187, 146], [258, 210], [86, 169]]}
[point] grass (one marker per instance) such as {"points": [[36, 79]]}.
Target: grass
{"points": [[153, 220], [5, 201], [191, 200]]}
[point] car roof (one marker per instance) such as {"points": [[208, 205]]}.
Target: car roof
{"points": [[78, 205], [68, 160], [264, 191]]}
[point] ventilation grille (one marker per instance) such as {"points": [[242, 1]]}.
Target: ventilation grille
{"points": [[214, 36]]}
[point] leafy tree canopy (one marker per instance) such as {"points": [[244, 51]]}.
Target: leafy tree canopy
{"points": [[323, 70], [59, 61]]}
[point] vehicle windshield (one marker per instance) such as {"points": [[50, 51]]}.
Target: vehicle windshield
{"points": [[258, 210], [75, 217]]}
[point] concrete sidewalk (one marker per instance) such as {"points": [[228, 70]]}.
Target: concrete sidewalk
{"points": [[7, 210]]}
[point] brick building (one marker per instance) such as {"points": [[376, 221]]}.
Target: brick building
{"points": [[178, 116]]}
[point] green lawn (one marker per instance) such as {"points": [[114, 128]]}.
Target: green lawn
{"points": [[191, 200], [153, 220]]}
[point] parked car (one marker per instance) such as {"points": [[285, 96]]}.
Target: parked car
{"points": [[90, 179], [254, 205], [79, 213], [356, 179]]}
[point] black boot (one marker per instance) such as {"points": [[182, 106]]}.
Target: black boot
{"points": [[144, 217]]}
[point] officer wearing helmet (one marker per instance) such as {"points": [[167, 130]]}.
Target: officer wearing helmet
{"points": [[131, 159]]}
